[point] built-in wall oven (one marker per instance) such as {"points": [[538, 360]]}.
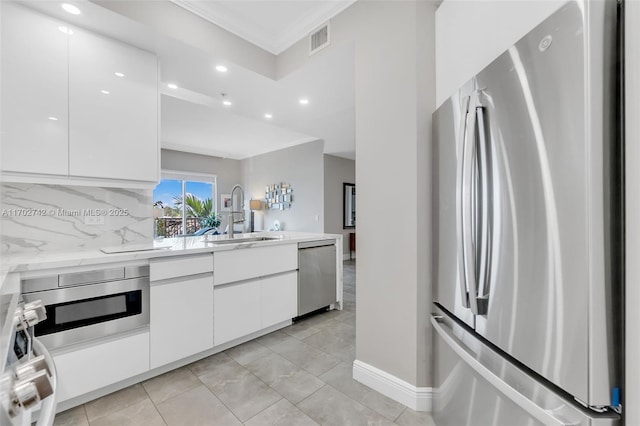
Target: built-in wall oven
{"points": [[89, 305]]}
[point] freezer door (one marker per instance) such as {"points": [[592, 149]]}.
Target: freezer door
{"points": [[450, 288], [475, 386], [544, 220]]}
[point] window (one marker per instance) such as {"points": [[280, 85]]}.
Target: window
{"points": [[183, 204]]}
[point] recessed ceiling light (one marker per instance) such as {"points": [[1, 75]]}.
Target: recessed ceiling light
{"points": [[105, 92], [65, 30], [71, 8], [303, 101], [221, 68], [172, 86], [268, 116], [53, 118], [119, 74], [226, 102]]}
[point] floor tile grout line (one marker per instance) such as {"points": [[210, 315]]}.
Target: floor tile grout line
{"points": [[154, 403], [265, 409]]}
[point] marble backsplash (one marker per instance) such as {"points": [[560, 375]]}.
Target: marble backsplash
{"points": [[40, 218]]}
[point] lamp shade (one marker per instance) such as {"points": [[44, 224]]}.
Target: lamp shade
{"points": [[255, 205]]}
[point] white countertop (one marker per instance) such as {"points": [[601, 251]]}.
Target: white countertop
{"points": [[161, 248]]}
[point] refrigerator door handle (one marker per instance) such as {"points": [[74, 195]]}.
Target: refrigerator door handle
{"points": [[460, 215], [468, 205], [485, 200], [541, 414]]}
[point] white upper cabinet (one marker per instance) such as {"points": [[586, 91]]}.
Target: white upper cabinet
{"points": [[113, 105], [76, 107], [34, 93]]}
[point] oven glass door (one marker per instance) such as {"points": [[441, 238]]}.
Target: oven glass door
{"points": [[80, 313]]}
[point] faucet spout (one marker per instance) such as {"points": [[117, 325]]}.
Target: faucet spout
{"points": [[232, 220]]}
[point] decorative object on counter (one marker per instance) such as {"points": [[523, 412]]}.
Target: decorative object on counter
{"points": [[253, 205], [348, 205], [278, 196], [225, 202]]}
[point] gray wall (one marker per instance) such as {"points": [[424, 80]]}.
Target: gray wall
{"points": [[391, 141], [228, 172], [302, 166], [337, 171], [395, 96]]}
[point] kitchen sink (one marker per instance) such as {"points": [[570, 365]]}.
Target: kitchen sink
{"points": [[242, 240]]}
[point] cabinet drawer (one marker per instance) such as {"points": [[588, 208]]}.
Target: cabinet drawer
{"points": [[180, 266], [279, 298], [88, 369], [181, 319], [236, 311], [237, 265]]}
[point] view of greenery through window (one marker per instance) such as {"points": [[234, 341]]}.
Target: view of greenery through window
{"points": [[183, 207]]}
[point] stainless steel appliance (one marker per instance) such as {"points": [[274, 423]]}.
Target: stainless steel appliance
{"points": [[527, 227], [89, 305], [316, 275]]}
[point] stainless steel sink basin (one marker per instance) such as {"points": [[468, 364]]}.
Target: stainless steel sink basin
{"points": [[238, 240]]}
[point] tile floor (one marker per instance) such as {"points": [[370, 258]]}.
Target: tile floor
{"points": [[297, 376]]}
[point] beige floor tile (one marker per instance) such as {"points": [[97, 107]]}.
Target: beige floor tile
{"points": [[211, 363], [341, 378], [115, 402], [282, 413], [170, 384], [301, 330], [242, 392], [142, 413], [197, 407], [247, 352], [275, 338], [330, 407], [285, 377], [74, 417], [415, 418], [306, 357]]}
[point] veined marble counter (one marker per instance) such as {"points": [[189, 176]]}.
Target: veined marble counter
{"points": [[161, 248]]}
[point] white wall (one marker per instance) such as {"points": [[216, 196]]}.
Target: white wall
{"points": [[337, 171], [472, 33], [228, 172], [632, 51], [395, 96], [302, 166]]}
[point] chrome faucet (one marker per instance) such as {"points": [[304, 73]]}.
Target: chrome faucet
{"points": [[232, 220]]}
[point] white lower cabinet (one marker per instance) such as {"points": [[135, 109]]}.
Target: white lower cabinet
{"points": [[236, 311], [87, 369], [279, 298], [181, 318], [249, 306]]}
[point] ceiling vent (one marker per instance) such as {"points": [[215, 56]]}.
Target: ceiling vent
{"points": [[319, 39]]}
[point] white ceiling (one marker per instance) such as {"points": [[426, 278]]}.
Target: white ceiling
{"points": [[193, 118], [273, 25]]}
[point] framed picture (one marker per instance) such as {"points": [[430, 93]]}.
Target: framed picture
{"points": [[225, 202]]}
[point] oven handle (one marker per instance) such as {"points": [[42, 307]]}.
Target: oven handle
{"points": [[49, 404]]}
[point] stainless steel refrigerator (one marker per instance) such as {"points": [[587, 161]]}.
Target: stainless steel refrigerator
{"points": [[528, 230]]}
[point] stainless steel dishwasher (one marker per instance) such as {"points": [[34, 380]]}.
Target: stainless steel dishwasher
{"points": [[316, 275]]}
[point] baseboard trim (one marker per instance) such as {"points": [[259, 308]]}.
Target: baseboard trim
{"points": [[416, 398]]}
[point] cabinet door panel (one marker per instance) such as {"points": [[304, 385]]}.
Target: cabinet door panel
{"points": [[34, 93], [84, 370], [236, 265], [279, 298], [181, 319], [113, 129], [236, 311]]}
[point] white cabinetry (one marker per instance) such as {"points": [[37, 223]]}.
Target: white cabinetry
{"points": [[236, 311], [66, 116], [255, 288], [87, 369], [181, 304], [114, 117], [34, 117]]}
